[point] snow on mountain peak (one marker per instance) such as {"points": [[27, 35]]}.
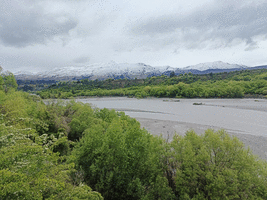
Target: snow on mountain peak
{"points": [[114, 70], [100, 69], [214, 65], [25, 72]]}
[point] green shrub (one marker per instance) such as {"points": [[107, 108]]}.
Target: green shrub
{"points": [[216, 166]]}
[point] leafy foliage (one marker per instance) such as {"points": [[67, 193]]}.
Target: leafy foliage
{"points": [[8, 82], [216, 166], [120, 160], [33, 160]]}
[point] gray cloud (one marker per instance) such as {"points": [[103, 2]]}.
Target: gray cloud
{"points": [[82, 59], [26, 23], [224, 21], [251, 46]]}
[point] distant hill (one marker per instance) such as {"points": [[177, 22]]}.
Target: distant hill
{"points": [[214, 65], [112, 70]]}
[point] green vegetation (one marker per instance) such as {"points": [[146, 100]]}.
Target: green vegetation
{"points": [[34, 149], [8, 83], [34, 85], [222, 85], [216, 166], [72, 151]]}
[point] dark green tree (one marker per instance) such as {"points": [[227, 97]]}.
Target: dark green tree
{"points": [[172, 74]]}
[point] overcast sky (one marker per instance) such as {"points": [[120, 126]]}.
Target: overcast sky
{"points": [[38, 35]]}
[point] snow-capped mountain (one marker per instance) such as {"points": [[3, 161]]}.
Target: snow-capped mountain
{"points": [[24, 72], [113, 70], [214, 65], [99, 71]]}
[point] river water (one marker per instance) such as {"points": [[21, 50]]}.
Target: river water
{"points": [[245, 116]]}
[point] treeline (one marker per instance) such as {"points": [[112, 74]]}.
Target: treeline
{"points": [[34, 85], [221, 85], [72, 151]]}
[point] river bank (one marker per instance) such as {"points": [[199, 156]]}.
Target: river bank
{"points": [[243, 118], [166, 128]]}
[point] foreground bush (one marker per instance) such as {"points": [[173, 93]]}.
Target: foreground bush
{"points": [[122, 161], [216, 166], [33, 159]]}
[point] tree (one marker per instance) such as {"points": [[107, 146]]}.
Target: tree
{"points": [[216, 166], [172, 74], [10, 82], [1, 83], [122, 161]]}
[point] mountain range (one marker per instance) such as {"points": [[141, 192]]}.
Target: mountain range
{"points": [[113, 70]]}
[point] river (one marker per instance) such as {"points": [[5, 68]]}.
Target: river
{"points": [[246, 116], [243, 118]]}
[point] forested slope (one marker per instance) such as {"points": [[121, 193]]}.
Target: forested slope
{"points": [[221, 85], [72, 151]]}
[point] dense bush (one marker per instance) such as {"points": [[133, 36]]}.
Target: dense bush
{"points": [[122, 161], [33, 159], [216, 166]]}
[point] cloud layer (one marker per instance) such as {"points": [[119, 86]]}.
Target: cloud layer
{"points": [[37, 35], [24, 23], [220, 21]]}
